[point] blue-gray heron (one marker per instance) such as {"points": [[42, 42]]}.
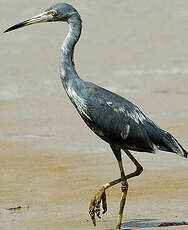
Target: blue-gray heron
{"points": [[111, 117]]}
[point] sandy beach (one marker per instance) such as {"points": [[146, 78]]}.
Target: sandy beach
{"points": [[50, 162]]}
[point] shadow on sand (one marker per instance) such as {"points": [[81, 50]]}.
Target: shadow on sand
{"points": [[150, 223]]}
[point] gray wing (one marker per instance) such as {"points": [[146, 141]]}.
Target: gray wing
{"points": [[115, 119]]}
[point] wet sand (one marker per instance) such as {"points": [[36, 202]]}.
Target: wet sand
{"points": [[50, 162]]}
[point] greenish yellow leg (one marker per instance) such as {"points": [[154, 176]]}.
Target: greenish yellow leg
{"points": [[94, 207], [124, 187], [122, 204]]}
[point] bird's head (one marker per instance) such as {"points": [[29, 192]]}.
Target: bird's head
{"points": [[58, 12]]}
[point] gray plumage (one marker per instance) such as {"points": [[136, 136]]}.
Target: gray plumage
{"points": [[113, 118], [110, 116]]}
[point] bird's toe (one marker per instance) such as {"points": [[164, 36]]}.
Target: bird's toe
{"points": [[94, 207]]}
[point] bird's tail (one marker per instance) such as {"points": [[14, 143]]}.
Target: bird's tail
{"points": [[170, 144]]}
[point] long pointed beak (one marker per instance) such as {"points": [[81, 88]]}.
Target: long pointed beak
{"points": [[43, 17]]}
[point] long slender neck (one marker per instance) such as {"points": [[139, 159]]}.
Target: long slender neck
{"points": [[67, 69]]}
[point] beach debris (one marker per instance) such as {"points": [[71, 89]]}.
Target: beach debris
{"points": [[17, 208]]}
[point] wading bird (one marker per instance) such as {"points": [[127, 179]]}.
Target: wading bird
{"points": [[114, 119]]}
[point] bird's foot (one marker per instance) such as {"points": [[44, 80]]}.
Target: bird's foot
{"points": [[94, 207]]}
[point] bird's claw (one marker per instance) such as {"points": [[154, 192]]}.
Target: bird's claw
{"points": [[94, 207]]}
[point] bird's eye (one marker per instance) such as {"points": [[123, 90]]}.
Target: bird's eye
{"points": [[52, 12]]}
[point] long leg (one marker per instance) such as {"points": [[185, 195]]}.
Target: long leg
{"points": [[124, 189], [124, 184], [100, 195]]}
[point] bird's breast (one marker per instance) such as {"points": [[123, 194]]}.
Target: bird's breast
{"points": [[78, 101]]}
